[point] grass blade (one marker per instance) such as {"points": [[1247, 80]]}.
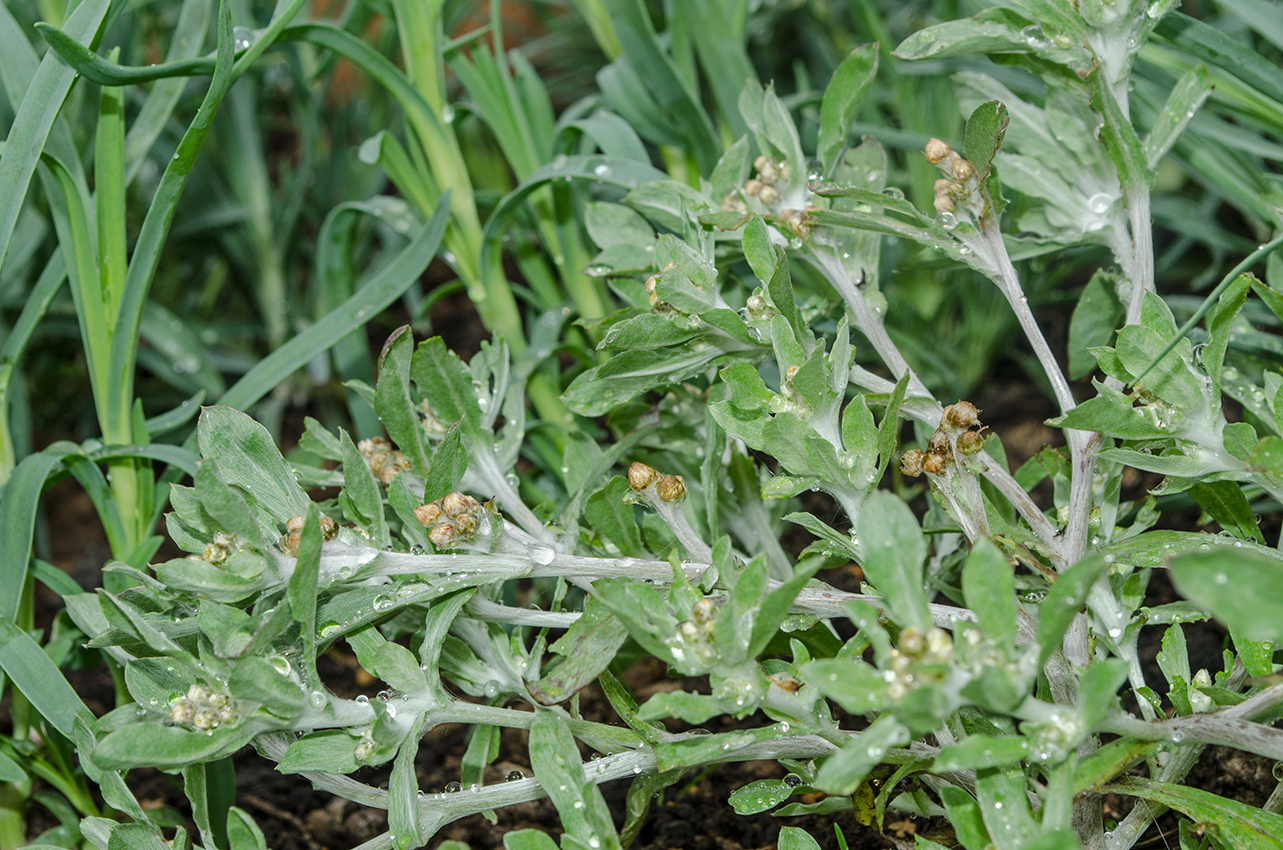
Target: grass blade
{"points": [[372, 298], [35, 119]]}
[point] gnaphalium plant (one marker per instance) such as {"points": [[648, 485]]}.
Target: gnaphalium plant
{"points": [[992, 677]]}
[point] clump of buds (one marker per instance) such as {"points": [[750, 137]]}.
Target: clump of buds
{"points": [[798, 221], [223, 547], [915, 656], [453, 519], [955, 437], [294, 530], [667, 488], [770, 172], [385, 461], [959, 182], [695, 636], [366, 747], [432, 426], [789, 399], [204, 709], [651, 283]]}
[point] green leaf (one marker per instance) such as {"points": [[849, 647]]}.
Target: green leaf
{"points": [[611, 517], [989, 588], [35, 117], [965, 817], [841, 102], [559, 769], [758, 249], [1218, 49], [1225, 502], [1186, 98], [167, 747], [528, 839], [1096, 316], [843, 773], [326, 750], [386, 660], [894, 555], [394, 403], [242, 832], [981, 751], [983, 136], [449, 463], [362, 497], [1240, 587], [247, 457], [854, 685], [257, 680], [759, 796], [445, 383], [1064, 601], [1238, 824], [32, 672], [389, 284], [1119, 137], [795, 838], [1004, 805], [587, 648]]}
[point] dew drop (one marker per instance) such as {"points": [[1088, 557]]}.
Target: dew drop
{"points": [[317, 699], [453, 787], [602, 170], [1100, 203], [492, 688], [542, 554], [242, 37], [947, 220], [515, 776]]}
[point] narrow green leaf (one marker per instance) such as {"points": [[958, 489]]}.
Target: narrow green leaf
{"points": [[1238, 824], [1217, 580], [32, 672], [983, 136], [841, 102], [247, 456], [989, 588], [894, 555], [394, 403]]}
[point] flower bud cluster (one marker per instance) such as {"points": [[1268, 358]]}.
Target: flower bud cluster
{"points": [[453, 519], [915, 655], [651, 283], [204, 709], [432, 426], [668, 488], [294, 531], [366, 747], [694, 642], [955, 437], [770, 173], [789, 399], [959, 180], [223, 547], [385, 461]]}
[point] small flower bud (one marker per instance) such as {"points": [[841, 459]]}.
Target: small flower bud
{"points": [[939, 443], [465, 526], [364, 750], [289, 544], [933, 464], [970, 442], [703, 610], [454, 504], [754, 187], [671, 488], [939, 644], [442, 535], [768, 170], [183, 713], [427, 514], [199, 694], [293, 524], [688, 630], [944, 204], [756, 304], [641, 476], [962, 169], [226, 715], [218, 700], [911, 463], [769, 196], [329, 528], [734, 203], [206, 720], [961, 415], [936, 151], [912, 642]]}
